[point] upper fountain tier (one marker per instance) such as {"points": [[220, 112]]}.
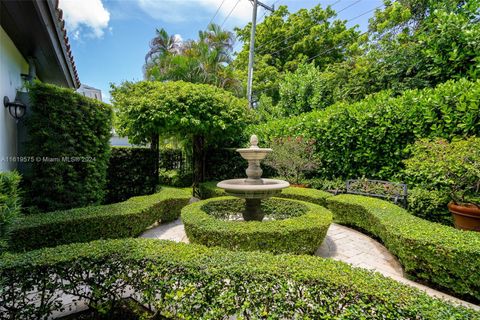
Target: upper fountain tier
{"points": [[254, 152]]}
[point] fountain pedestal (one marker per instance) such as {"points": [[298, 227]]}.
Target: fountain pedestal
{"points": [[253, 189]]}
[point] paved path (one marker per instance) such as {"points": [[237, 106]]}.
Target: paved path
{"points": [[341, 243]]}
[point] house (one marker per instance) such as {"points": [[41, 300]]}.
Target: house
{"points": [[90, 92], [33, 44]]}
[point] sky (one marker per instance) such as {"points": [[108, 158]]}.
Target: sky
{"points": [[110, 38]]}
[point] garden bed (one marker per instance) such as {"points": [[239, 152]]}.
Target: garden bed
{"points": [[291, 226]]}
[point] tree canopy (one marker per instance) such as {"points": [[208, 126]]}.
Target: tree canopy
{"points": [[177, 108]]}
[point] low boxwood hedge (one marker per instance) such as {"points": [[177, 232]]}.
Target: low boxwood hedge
{"points": [[195, 282], [124, 219], [210, 190], [441, 255], [298, 235]]}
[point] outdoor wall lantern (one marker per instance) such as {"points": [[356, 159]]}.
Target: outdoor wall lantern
{"points": [[16, 108]]}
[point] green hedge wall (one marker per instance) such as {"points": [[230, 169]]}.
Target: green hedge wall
{"points": [[195, 282], [441, 255], [131, 172], [68, 149], [298, 235], [119, 220], [9, 205], [369, 138]]}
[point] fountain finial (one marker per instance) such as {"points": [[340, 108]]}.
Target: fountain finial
{"points": [[254, 141]]}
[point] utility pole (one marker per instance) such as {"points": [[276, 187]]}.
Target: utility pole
{"points": [[252, 47]]}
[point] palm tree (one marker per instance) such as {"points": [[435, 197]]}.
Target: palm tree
{"points": [[162, 45]]}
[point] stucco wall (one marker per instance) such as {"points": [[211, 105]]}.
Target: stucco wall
{"points": [[12, 64]]}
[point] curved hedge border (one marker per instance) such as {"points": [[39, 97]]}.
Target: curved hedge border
{"points": [[120, 220], [210, 190], [195, 282], [298, 235], [428, 251]]}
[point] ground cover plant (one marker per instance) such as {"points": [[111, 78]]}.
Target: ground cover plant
{"points": [[69, 149], [290, 226], [119, 220], [439, 255], [195, 282]]}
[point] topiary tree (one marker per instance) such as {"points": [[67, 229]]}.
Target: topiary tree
{"points": [[198, 112]]}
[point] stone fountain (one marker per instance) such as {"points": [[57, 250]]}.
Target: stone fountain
{"points": [[253, 189]]}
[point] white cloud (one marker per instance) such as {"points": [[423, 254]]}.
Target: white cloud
{"points": [[188, 10], [85, 13]]}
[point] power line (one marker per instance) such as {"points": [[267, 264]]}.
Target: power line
{"points": [[216, 12], [304, 29], [284, 48], [228, 16]]}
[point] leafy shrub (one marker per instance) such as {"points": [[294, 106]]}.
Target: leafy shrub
{"points": [[195, 282], [430, 205], [292, 157], [118, 220], [327, 184], [9, 204], [224, 163], [175, 178], [131, 172], [369, 138], [171, 159], [454, 167], [299, 235], [69, 146], [441, 255]]}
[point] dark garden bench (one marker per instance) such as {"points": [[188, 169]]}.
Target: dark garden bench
{"points": [[397, 192]]}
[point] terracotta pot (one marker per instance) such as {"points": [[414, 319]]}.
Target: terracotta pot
{"points": [[466, 216]]}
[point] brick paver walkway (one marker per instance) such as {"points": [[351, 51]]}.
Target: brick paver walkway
{"points": [[341, 243]]}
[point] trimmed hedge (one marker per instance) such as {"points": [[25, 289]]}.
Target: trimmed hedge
{"points": [[210, 190], [131, 172], [68, 149], [9, 205], [369, 137], [119, 220], [441, 255], [195, 282], [430, 205], [298, 235]]}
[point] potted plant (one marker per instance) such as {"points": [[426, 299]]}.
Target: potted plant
{"points": [[292, 157], [455, 168]]}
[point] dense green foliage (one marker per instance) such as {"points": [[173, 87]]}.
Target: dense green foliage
{"points": [[292, 158], [131, 172], [441, 255], [69, 149], [299, 234], [9, 205], [177, 108], [284, 41], [194, 282], [410, 44], [452, 167], [196, 113], [369, 138], [175, 178], [119, 220], [430, 205]]}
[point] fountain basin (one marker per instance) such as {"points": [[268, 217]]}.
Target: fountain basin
{"points": [[240, 188]]}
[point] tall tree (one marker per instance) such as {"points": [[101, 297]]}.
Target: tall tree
{"points": [[201, 113]]}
